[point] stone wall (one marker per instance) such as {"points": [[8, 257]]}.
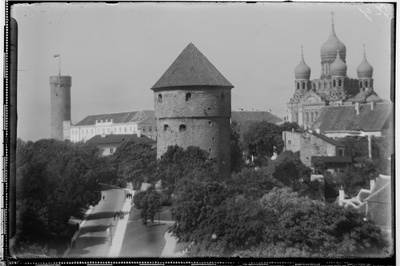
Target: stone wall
{"points": [[60, 104], [314, 146], [195, 116]]}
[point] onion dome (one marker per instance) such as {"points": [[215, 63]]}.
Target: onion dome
{"points": [[364, 70], [302, 71], [338, 67], [330, 47]]}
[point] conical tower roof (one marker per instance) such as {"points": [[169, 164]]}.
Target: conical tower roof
{"points": [[191, 68]]}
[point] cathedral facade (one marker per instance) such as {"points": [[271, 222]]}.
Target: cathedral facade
{"points": [[333, 88]]}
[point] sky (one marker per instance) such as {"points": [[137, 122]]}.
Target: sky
{"points": [[116, 52]]}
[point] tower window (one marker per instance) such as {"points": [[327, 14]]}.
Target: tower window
{"points": [[159, 98], [188, 96], [304, 86], [298, 86], [334, 83], [166, 127], [182, 128], [340, 82], [222, 97]]}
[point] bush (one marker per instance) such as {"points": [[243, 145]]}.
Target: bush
{"points": [[166, 199]]}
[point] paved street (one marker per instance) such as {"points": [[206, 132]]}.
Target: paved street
{"points": [[93, 240]]}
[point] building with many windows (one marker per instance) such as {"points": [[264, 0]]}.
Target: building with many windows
{"points": [[132, 123]]}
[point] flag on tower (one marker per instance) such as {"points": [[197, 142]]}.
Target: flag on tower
{"points": [[56, 55]]}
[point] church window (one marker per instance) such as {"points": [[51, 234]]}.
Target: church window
{"points": [[312, 116], [340, 82], [188, 96], [304, 86], [298, 86], [182, 128], [159, 98], [334, 83], [166, 127]]}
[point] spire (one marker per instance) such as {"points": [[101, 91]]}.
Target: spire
{"points": [[364, 70], [302, 71]]}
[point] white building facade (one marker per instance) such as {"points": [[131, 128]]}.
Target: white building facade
{"points": [[135, 123]]}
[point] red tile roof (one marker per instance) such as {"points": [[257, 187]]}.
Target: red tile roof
{"points": [[191, 68], [135, 116], [344, 118]]}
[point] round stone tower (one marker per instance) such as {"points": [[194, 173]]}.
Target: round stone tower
{"points": [[192, 103], [60, 104]]}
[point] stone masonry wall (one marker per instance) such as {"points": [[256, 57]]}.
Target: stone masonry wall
{"points": [[60, 104], [197, 116], [314, 146]]}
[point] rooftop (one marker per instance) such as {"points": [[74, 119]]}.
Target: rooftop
{"points": [[191, 68], [244, 116], [344, 118], [125, 117]]}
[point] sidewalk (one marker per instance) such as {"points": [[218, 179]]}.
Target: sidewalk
{"points": [[119, 233], [81, 225], [170, 244]]}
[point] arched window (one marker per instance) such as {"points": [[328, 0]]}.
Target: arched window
{"points": [[298, 86], [166, 127], [304, 85], [182, 128], [159, 98], [340, 82], [188, 96]]}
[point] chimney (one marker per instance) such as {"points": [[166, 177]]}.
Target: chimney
{"points": [[372, 105], [371, 184], [357, 108], [341, 196]]}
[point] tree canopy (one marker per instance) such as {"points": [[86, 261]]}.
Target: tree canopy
{"points": [[55, 180], [136, 161]]}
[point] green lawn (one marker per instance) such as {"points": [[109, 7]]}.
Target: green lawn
{"points": [[141, 240]]}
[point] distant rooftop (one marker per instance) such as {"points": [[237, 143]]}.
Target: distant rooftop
{"points": [[125, 117], [191, 68], [342, 118], [245, 116]]}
